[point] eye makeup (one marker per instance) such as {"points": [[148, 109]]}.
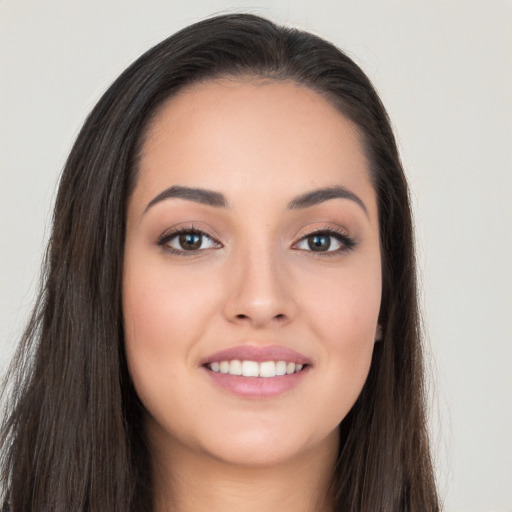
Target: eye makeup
{"points": [[326, 241], [189, 240]]}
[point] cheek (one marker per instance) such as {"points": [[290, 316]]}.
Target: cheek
{"points": [[342, 310], [344, 304], [165, 312], [162, 303]]}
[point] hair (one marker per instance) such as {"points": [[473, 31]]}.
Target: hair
{"points": [[72, 438]]}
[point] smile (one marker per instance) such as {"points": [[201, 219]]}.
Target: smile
{"points": [[257, 371], [265, 369]]}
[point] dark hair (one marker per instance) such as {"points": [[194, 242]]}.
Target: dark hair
{"points": [[72, 439]]}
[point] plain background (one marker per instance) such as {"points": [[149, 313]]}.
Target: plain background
{"points": [[444, 71]]}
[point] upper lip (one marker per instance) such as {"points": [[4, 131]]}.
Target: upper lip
{"points": [[258, 353]]}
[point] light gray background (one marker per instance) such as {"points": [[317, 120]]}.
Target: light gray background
{"points": [[444, 70]]}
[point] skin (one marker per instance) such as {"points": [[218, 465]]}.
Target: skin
{"points": [[261, 144]]}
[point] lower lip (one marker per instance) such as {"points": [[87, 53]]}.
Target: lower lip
{"points": [[257, 387]]}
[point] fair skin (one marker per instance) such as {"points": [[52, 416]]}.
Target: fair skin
{"points": [[261, 271]]}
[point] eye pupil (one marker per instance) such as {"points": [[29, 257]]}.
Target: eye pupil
{"points": [[319, 242], [190, 241]]}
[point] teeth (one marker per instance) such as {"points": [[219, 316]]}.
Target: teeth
{"points": [[235, 367], [281, 368], [255, 369], [250, 369], [267, 369]]}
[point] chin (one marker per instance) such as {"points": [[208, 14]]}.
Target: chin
{"points": [[261, 447]]}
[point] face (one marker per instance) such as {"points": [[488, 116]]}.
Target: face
{"points": [[252, 246]]}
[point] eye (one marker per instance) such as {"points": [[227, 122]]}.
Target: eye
{"points": [[329, 241], [187, 240]]}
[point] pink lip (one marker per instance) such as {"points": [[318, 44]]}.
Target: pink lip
{"points": [[256, 387], [256, 353]]}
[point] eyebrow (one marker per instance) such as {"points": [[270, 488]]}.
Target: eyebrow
{"points": [[325, 194], [197, 195], [218, 200]]}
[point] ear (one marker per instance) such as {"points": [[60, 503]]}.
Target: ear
{"points": [[378, 333]]}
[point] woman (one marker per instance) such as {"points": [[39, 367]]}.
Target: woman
{"points": [[228, 317]]}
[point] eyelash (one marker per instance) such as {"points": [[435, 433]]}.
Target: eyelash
{"points": [[347, 243], [164, 240]]}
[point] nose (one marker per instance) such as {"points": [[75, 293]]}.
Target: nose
{"points": [[260, 291]]}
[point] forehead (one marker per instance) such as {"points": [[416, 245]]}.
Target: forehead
{"points": [[258, 134]]}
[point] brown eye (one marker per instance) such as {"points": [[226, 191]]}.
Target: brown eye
{"points": [[319, 242], [190, 241], [329, 242], [187, 241]]}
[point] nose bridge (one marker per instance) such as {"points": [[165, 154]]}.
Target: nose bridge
{"points": [[259, 291]]}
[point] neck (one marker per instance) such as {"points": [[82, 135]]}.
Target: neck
{"points": [[191, 482]]}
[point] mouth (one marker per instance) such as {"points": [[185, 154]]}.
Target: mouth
{"points": [[248, 368], [250, 371]]}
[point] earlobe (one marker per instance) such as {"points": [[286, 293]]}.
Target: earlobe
{"points": [[378, 333]]}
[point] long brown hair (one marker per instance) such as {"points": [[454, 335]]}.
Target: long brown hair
{"points": [[72, 438]]}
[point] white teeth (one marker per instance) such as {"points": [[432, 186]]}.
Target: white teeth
{"points": [[268, 369], [255, 369], [250, 369], [281, 368], [235, 367]]}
